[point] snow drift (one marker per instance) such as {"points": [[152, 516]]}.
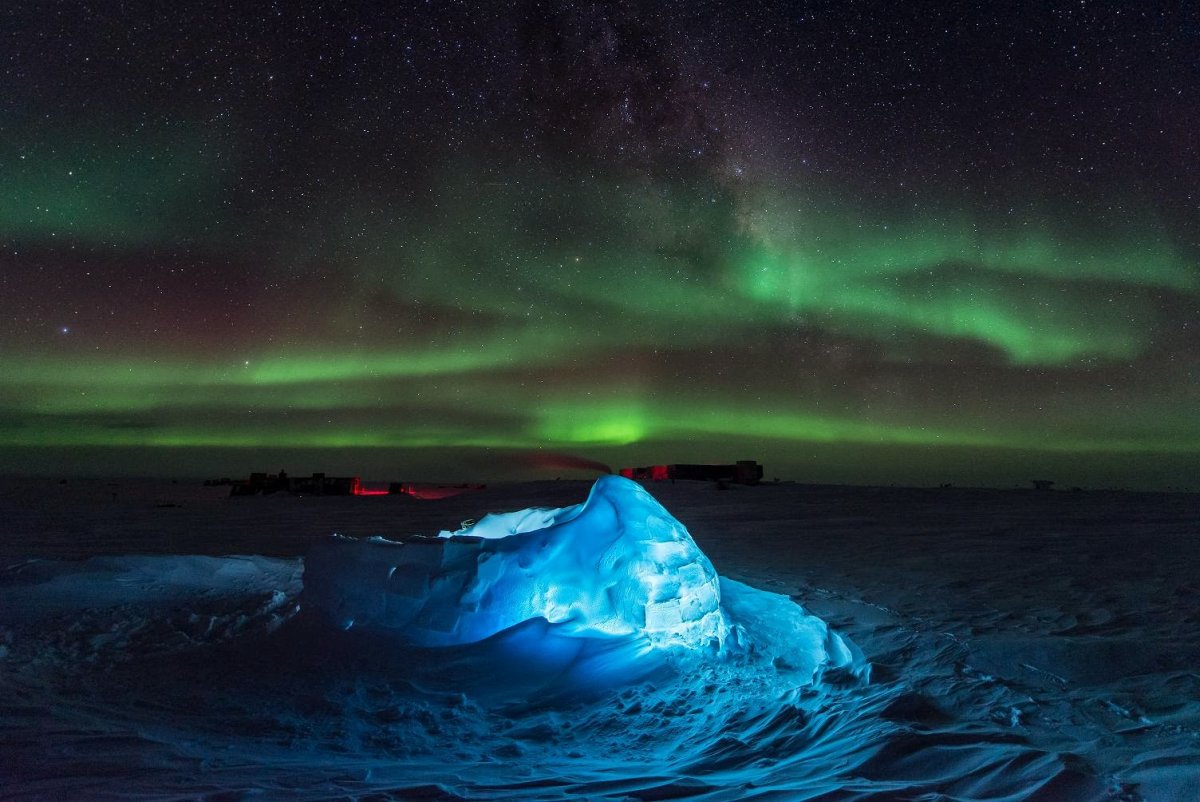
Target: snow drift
{"points": [[1024, 646]]}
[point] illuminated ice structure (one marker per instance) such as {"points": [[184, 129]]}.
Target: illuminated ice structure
{"points": [[617, 566]]}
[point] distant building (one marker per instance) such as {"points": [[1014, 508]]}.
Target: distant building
{"points": [[316, 485], [744, 472]]}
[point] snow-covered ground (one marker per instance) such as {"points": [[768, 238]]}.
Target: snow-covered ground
{"points": [[1023, 645]]}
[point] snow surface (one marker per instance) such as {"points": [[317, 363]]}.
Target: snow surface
{"points": [[1024, 646]]}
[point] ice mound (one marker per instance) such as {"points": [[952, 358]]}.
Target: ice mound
{"points": [[617, 565]]}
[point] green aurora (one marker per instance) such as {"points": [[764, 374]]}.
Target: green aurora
{"points": [[438, 251], [763, 324]]}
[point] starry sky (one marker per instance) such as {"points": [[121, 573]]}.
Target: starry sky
{"points": [[864, 242]]}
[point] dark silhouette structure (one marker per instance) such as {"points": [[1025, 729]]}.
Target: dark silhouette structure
{"points": [[316, 485], [744, 472]]}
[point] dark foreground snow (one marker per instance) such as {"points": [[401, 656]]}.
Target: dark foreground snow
{"points": [[1023, 646]]}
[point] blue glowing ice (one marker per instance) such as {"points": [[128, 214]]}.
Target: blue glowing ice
{"points": [[618, 565]]}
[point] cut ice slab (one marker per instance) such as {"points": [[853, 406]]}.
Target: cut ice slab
{"points": [[616, 566]]}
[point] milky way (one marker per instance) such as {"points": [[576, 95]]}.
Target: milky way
{"points": [[854, 242]]}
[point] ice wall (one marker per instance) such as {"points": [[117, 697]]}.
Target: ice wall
{"points": [[618, 564]]}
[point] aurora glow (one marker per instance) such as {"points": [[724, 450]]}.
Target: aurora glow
{"points": [[355, 248]]}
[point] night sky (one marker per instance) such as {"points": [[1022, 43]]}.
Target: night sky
{"points": [[856, 241]]}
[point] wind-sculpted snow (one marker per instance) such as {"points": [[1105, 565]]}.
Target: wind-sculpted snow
{"points": [[193, 676], [618, 565]]}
